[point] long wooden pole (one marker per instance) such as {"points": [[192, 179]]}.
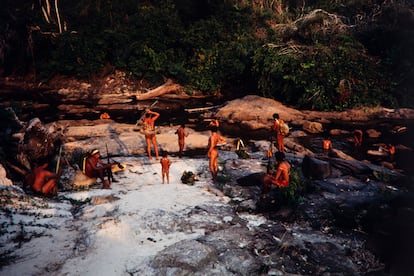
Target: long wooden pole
{"points": [[58, 16], [145, 112]]}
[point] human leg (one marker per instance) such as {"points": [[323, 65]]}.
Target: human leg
{"points": [[49, 188], [181, 146], [214, 164], [148, 141], [281, 183], [100, 173], [280, 144], [154, 143]]}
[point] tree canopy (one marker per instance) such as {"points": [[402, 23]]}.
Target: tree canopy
{"points": [[310, 54]]}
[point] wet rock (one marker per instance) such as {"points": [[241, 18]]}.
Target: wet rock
{"points": [[240, 261], [315, 168], [262, 110], [296, 147], [258, 121], [373, 133], [351, 167], [331, 258], [233, 249], [188, 256], [312, 127], [339, 132], [254, 179]]}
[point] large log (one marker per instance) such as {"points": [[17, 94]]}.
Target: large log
{"points": [[166, 88]]}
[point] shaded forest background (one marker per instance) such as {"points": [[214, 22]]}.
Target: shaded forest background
{"points": [[322, 55]]}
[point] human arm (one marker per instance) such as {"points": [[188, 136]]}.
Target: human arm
{"points": [[221, 139], [102, 164], [215, 122], [282, 173], [275, 125], [156, 114]]}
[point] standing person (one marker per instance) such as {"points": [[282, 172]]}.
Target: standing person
{"points": [[149, 131], [96, 168], [181, 137], [212, 153], [165, 167], [42, 181], [357, 137], [279, 135], [214, 123], [282, 176]]}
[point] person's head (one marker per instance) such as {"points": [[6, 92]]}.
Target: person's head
{"points": [[165, 154], [279, 156], [183, 125], [276, 116], [42, 162], [214, 129], [95, 153]]}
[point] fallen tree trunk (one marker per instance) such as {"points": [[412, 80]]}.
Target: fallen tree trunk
{"points": [[166, 88]]}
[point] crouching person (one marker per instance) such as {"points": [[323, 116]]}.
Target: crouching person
{"points": [[96, 168], [281, 177], [42, 181]]}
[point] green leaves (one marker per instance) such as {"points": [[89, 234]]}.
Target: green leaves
{"points": [[310, 76], [226, 45]]}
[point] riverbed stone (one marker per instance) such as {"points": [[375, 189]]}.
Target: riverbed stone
{"points": [[315, 168], [189, 255]]}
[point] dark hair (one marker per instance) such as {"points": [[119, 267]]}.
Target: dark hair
{"points": [[165, 154], [214, 129], [279, 156], [275, 116]]}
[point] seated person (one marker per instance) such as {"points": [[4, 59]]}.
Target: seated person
{"points": [[281, 177], [96, 168], [42, 181], [327, 146]]}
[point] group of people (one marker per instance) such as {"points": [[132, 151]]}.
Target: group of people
{"points": [[44, 182], [281, 176]]}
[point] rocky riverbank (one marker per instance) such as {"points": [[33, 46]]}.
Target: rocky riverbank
{"points": [[141, 227], [348, 216]]}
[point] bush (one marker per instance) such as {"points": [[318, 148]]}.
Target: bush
{"points": [[292, 194], [321, 77]]}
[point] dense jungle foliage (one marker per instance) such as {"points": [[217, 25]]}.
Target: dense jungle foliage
{"points": [[324, 55]]}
